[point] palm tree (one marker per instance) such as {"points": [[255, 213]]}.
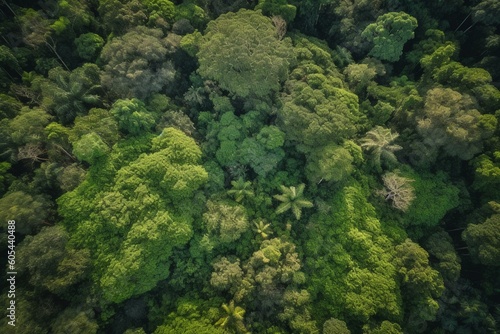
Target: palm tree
{"points": [[241, 189], [379, 142], [292, 198], [262, 229], [233, 320], [74, 92]]}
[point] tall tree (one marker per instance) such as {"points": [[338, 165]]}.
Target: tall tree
{"points": [[389, 34], [243, 54], [137, 63], [484, 240], [450, 120]]}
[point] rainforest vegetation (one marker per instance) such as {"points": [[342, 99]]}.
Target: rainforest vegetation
{"points": [[251, 166]]}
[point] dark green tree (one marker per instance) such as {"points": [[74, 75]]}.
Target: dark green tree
{"points": [[137, 63], [89, 45], [389, 34], [484, 240]]}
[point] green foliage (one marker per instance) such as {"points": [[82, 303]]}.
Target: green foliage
{"points": [[379, 142], [98, 121], [316, 109], [450, 120], [292, 198], [159, 9], [189, 326], [386, 327], [190, 11], [28, 126], [49, 264], [277, 8], [487, 175], [262, 229], [135, 220], [29, 211], [5, 177], [191, 43], [484, 240], [360, 280], [71, 93], [435, 196], [233, 319], [89, 45], [90, 147], [163, 129], [119, 15], [137, 69], [441, 247], [241, 189], [329, 163], [226, 221], [132, 116], [335, 326], [389, 34], [487, 12], [242, 53], [421, 285], [75, 321]]}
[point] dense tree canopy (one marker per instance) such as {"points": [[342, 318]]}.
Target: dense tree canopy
{"points": [[250, 166], [242, 53]]}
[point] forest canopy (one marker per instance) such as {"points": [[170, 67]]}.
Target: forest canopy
{"points": [[250, 166]]}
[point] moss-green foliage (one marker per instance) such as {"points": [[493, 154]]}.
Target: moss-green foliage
{"points": [[191, 11], [316, 108], [363, 282], [145, 207]]}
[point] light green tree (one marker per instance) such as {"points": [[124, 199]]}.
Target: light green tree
{"points": [[233, 319], [226, 221], [90, 147], [243, 54], [379, 141], [132, 116], [241, 189], [262, 229], [292, 198], [450, 120], [329, 163]]}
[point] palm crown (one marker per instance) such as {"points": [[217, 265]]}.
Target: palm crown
{"points": [[379, 142], [292, 198]]}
